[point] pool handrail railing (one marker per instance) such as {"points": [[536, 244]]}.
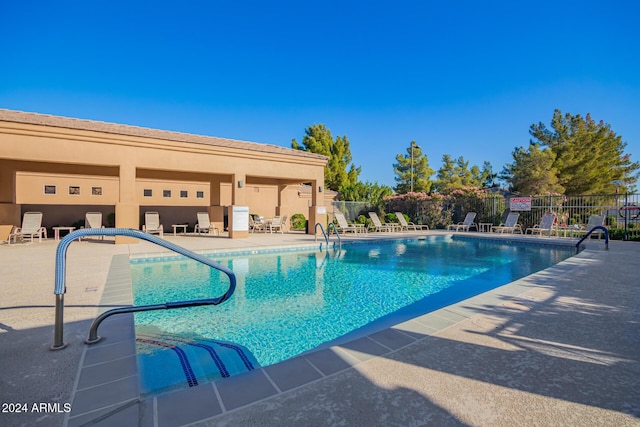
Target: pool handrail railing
{"points": [[326, 236], [60, 287], [588, 233]]}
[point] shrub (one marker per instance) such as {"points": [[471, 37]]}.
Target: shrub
{"points": [[298, 221]]}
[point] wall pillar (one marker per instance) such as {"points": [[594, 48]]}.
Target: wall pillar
{"points": [[9, 210], [127, 208], [238, 200], [317, 210]]}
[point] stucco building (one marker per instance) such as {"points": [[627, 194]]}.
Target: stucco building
{"points": [[65, 167]]}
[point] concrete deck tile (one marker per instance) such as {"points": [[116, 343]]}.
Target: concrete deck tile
{"points": [[244, 389], [328, 361], [107, 394], [186, 406], [293, 373], [104, 372]]}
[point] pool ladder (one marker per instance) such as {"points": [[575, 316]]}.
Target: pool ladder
{"points": [[326, 236], [60, 287], [606, 237]]}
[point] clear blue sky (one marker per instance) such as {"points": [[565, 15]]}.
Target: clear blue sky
{"points": [[464, 78]]}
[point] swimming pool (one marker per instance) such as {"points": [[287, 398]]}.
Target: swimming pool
{"points": [[291, 302]]}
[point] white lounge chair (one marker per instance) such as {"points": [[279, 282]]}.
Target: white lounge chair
{"points": [[546, 225], [345, 227], [405, 225], [469, 221], [594, 221], [31, 226], [93, 220], [379, 226], [152, 224], [510, 225], [204, 225]]}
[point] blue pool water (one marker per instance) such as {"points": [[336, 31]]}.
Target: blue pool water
{"points": [[291, 302]]}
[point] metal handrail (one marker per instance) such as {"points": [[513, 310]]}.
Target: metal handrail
{"points": [[315, 232], [332, 224], [60, 287], [326, 236], [606, 237]]}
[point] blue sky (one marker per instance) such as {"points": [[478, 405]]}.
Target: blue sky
{"points": [[463, 78]]}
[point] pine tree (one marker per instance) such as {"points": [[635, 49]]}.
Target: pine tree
{"points": [[588, 155], [318, 139], [455, 173], [532, 171]]}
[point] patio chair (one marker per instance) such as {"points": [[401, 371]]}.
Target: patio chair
{"points": [[594, 221], [93, 220], [275, 224], [546, 225], [405, 225], [204, 225], [31, 226], [379, 226], [152, 224], [466, 224], [345, 227], [510, 225], [256, 224]]}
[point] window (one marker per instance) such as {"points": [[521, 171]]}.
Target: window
{"points": [[184, 194], [74, 190], [166, 193], [147, 192], [199, 194], [96, 191], [49, 189]]}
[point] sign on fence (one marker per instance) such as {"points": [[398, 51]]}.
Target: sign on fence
{"points": [[520, 203]]}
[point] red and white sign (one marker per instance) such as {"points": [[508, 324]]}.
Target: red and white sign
{"points": [[520, 203]]}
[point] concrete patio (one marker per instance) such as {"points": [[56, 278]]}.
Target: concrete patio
{"points": [[560, 347]]}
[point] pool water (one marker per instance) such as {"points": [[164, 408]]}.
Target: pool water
{"points": [[291, 302]]}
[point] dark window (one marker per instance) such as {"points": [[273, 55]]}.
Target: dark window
{"points": [[49, 189], [200, 194], [74, 190], [166, 193], [184, 194], [96, 191], [147, 192]]}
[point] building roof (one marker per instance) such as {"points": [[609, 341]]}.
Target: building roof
{"points": [[113, 128]]}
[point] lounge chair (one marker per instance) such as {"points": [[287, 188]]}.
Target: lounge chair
{"points": [[204, 225], [152, 224], [404, 225], [546, 225], [379, 226], [594, 221], [93, 220], [466, 224], [31, 226], [345, 227], [510, 225]]}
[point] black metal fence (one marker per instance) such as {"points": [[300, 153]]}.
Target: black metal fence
{"points": [[621, 211]]}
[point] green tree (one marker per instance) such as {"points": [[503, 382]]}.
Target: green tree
{"points": [[365, 192], [532, 171], [455, 173], [412, 166], [588, 155], [318, 139]]}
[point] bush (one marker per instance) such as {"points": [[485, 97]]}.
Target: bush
{"points": [[298, 222]]}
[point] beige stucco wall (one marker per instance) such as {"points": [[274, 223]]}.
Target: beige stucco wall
{"points": [[122, 166]]}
